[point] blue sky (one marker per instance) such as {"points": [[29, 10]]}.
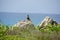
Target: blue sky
{"points": [[30, 6]]}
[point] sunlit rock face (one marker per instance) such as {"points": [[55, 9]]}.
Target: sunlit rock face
{"points": [[25, 23], [46, 21]]}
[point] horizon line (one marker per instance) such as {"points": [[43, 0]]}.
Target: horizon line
{"points": [[29, 13]]}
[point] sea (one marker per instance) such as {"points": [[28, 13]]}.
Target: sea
{"points": [[8, 18]]}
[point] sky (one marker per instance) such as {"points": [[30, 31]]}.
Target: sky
{"points": [[12, 11], [30, 6]]}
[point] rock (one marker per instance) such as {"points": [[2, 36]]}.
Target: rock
{"points": [[25, 23], [46, 21]]}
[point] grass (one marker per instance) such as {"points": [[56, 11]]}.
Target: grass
{"points": [[50, 32]]}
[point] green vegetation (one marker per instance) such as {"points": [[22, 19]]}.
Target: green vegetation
{"points": [[49, 32]]}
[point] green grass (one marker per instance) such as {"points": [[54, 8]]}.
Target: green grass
{"points": [[49, 32]]}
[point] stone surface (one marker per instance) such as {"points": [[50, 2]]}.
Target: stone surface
{"points": [[46, 21], [25, 23]]}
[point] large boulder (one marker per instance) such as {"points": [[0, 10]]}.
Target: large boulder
{"points": [[47, 20], [25, 23]]}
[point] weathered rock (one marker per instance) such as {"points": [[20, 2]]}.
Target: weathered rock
{"points": [[25, 23], [46, 21]]}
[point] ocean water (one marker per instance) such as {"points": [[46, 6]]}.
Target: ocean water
{"points": [[36, 18]]}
